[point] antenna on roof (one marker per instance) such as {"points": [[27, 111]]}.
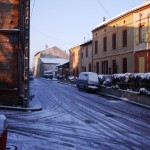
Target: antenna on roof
{"points": [[46, 46], [104, 18]]}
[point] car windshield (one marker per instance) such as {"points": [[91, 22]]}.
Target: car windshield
{"points": [[93, 77], [83, 76]]}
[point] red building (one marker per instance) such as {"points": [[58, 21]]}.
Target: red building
{"points": [[14, 52]]}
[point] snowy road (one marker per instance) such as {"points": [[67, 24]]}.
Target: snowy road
{"points": [[74, 120]]}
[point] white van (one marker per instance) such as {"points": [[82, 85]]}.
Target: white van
{"points": [[87, 81]]}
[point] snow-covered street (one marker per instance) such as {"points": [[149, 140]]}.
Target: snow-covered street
{"points": [[75, 120]]}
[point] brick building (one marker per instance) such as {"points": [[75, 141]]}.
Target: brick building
{"points": [[14, 51]]}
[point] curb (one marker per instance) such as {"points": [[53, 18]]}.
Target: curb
{"points": [[20, 109], [73, 85], [125, 100]]}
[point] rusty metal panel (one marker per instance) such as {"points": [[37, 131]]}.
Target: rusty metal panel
{"points": [[14, 50], [9, 14], [8, 60]]}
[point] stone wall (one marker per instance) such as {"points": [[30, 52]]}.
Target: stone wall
{"points": [[123, 94]]}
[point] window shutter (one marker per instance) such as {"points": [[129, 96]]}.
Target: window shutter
{"points": [[143, 34], [137, 36], [147, 36]]}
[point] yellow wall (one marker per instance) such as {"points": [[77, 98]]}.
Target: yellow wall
{"points": [[75, 60]]}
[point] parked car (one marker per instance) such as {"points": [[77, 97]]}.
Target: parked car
{"points": [[87, 81], [48, 76]]}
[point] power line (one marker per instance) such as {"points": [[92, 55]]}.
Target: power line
{"points": [[51, 37], [104, 8]]}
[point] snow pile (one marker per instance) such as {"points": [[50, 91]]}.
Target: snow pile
{"points": [[144, 91], [122, 78], [3, 123], [115, 87], [134, 81], [105, 80], [141, 78]]}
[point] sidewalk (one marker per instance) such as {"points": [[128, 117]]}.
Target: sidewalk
{"points": [[34, 105]]}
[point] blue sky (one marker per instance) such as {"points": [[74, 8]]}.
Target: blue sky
{"points": [[66, 23]]}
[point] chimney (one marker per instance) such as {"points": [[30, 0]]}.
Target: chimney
{"points": [[46, 46], [104, 19]]}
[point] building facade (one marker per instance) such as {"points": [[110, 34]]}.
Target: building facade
{"points": [[51, 65], [14, 52], [75, 60], [115, 45], [142, 39], [86, 56], [52, 54]]}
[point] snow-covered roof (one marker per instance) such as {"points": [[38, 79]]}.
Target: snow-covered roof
{"points": [[121, 15], [63, 63], [54, 60]]}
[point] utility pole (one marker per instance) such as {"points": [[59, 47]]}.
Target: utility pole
{"points": [[26, 52]]}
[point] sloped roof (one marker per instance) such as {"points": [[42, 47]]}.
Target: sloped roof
{"points": [[121, 15], [63, 63], [86, 42], [54, 60], [54, 52]]}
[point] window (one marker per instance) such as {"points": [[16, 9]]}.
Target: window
{"points": [[104, 67], [105, 44], [124, 65], [114, 66], [124, 38], [97, 67], [141, 64], [142, 34], [90, 68], [148, 27], [96, 47], [86, 51], [114, 41]]}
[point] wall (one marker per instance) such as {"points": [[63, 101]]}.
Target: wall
{"points": [[121, 94], [116, 26], [142, 39], [86, 60], [12, 51], [75, 60]]}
